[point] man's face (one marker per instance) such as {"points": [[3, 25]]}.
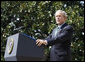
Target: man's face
{"points": [[60, 19]]}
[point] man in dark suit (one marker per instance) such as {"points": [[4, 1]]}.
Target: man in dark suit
{"points": [[59, 39]]}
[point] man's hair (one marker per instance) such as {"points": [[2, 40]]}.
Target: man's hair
{"points": [[63, 12]]}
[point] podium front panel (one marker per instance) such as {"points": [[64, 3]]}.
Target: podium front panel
{"points": [[22, 47]]}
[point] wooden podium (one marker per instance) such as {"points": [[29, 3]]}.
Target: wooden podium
{"points": [[21, 47]]}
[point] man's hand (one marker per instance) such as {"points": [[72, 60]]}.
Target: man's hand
{"points": [[39, 42]]}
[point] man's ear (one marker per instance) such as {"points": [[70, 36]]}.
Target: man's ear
{"points": [[65, 18]]}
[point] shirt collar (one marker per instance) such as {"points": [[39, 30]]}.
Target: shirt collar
{"points": [[61, 25]]}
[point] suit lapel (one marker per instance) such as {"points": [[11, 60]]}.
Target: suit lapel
{"points": [[61, 28], [65, 24]]}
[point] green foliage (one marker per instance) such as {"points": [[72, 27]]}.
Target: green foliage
{"points": [[37, 18]]}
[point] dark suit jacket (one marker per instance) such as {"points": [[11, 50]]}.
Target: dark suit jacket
{"points": [[60, 50]]}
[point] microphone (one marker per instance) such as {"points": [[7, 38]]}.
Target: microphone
{"points": [[18, 28]]}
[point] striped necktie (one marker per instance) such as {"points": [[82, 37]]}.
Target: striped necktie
{"points": [[56, 31]]}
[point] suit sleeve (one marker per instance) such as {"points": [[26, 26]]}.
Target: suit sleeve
{"points": [[63, 36]]}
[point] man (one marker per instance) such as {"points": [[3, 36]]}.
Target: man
{"points": [[59, 39]]}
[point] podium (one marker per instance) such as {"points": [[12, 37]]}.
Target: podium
{"points": [[22, 47]]}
